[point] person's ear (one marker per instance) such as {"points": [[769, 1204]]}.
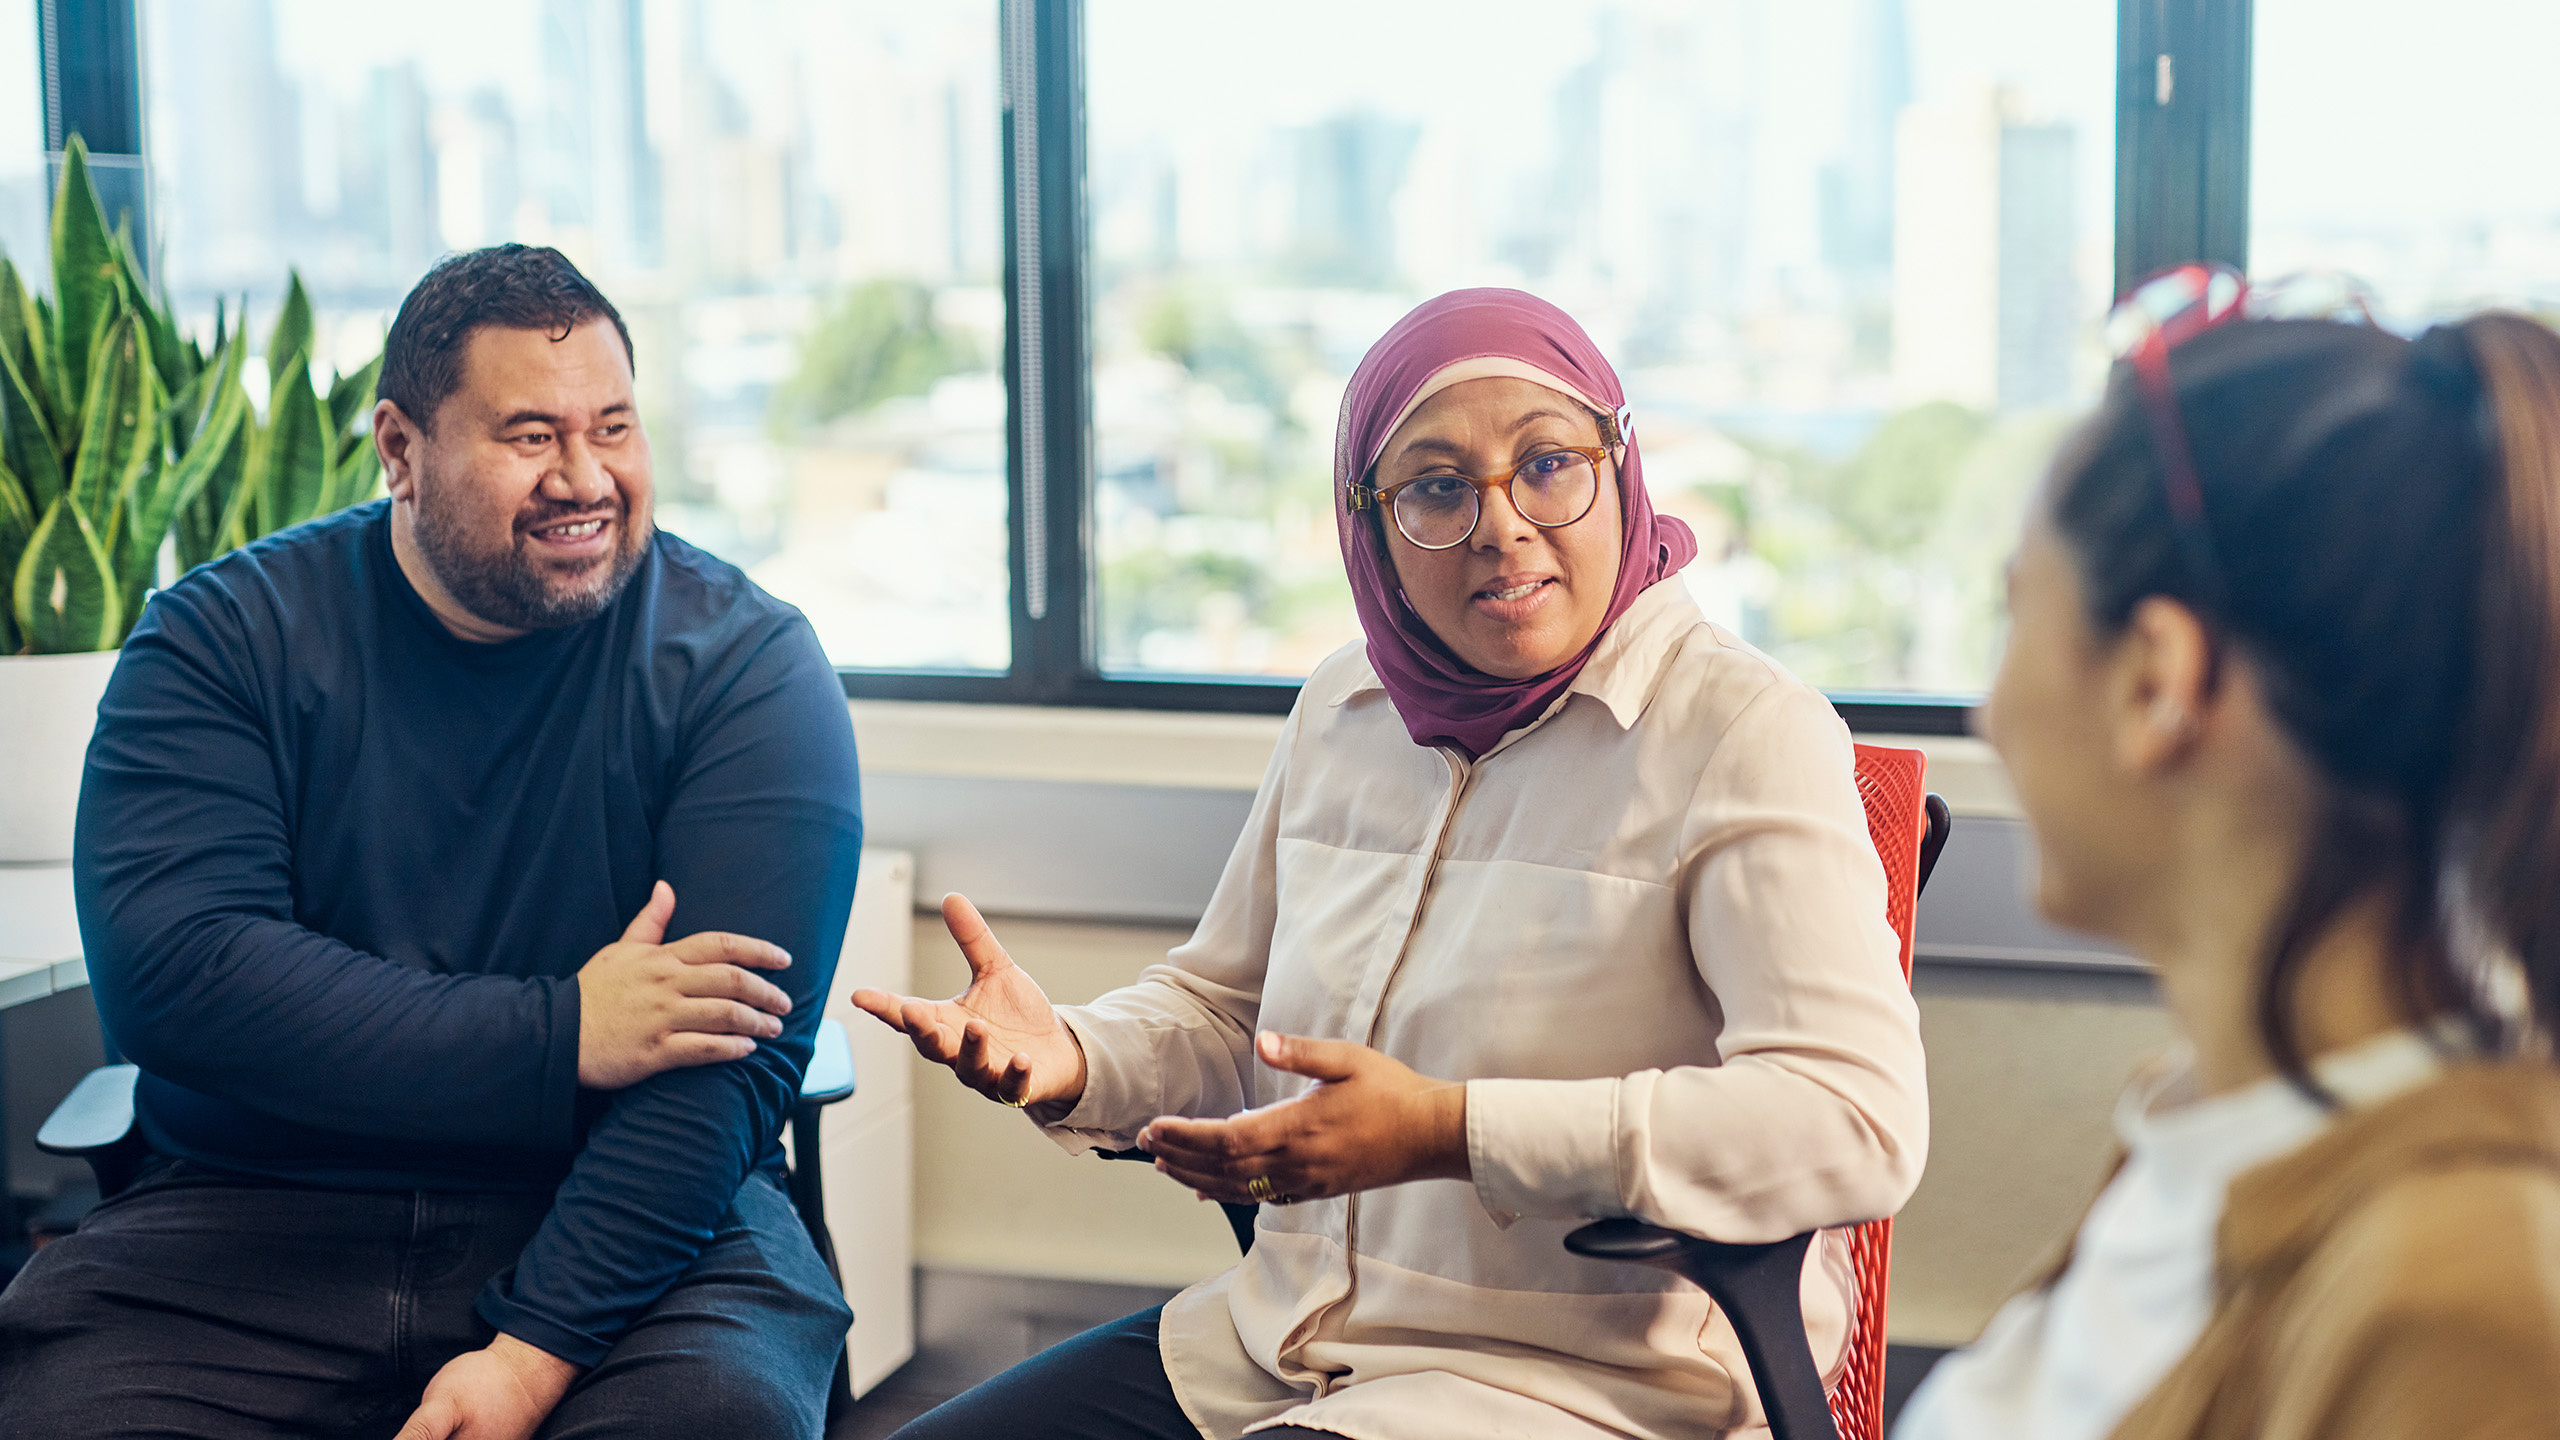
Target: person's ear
{"points": [[401, 444], [2160, 686]]}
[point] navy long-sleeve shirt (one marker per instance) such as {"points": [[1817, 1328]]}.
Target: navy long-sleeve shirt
{"points": [[337, 871]]}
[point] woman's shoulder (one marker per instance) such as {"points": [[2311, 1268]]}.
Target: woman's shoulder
{"points": [[2440, 1219], [2394, 1277], [1713, 681], [1341, 674], [2461, 1223]]}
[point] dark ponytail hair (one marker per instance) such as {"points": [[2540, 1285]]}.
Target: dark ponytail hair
{"points": [[2385, 515]]}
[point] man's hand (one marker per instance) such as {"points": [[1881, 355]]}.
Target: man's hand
{"points": [[1371, 1122], [503, 1392], [1000, 1035], [645, 1006]]}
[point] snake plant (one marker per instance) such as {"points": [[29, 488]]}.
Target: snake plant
{"points": [[119, 434]]}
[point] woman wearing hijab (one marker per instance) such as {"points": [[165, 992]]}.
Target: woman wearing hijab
{"points": [[1557, 903]]}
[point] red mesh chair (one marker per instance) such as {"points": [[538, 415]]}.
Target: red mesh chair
{"points": [[1759, 1285]]}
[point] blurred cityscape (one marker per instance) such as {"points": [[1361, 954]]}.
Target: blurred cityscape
{"points": [[1853, 310], [1853, 313], [794, 205], [1847, 254]]}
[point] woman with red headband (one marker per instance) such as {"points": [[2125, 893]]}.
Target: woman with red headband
{"points": [[1557, 903], [2281, 701]]}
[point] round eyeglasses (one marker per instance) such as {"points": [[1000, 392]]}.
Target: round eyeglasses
{"points": [[1439, 509]]}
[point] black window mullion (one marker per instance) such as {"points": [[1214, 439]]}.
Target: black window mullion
{"points": [[2182, 134], [1062, 658], [89, 64]]}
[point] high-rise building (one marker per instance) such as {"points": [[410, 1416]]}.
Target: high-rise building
{"points": [[600, 172], [230, 179], [1985, 309], [2040, 314], [1347, 170], [477, 181], [390, 188], [1857, 188]]}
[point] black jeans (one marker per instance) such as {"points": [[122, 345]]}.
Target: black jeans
{"points": [[201, 1304], [1105, 1384]]}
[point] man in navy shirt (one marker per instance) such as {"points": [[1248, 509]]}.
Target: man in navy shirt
{"points": [[464, 872]]}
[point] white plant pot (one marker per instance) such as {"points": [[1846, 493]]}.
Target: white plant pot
{"points": [[48, 706]]}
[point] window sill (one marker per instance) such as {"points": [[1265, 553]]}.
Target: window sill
{"points": [[1187, 750]]}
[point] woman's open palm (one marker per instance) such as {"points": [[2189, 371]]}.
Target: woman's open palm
{"points": [[1000, 1036]]}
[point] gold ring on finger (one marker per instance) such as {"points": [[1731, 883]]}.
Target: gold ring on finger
{"points": [[1260, 1188], [1013, 1104]]}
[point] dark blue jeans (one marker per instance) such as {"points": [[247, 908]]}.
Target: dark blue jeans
{"points": [[1105, 1384], [201, 1304]]}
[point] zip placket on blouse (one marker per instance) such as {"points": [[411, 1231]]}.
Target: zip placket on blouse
{"points": [[1460, 774]]}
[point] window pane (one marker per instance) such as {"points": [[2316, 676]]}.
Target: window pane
{"points": [[1848, 255], [25, 196], [794, 203], [2410, 149]]}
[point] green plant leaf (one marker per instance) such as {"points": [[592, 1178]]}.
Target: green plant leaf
{"points": [[61, 409], [238, 521], [17, 521], [197, 519], [293, 330], [21, 329], [170, 351], [356, 475], [187, 409], [145, 458], [296, 458], [110, 431], [200, 522], [159, 495], [64, 601], [86, 270], [26, 436], [351, 398]]}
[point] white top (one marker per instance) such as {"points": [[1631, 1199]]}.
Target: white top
{"points": [[2069, 1361], [1648, 931]]}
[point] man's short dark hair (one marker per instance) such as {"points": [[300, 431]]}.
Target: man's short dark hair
{"points": [[515, 287]]}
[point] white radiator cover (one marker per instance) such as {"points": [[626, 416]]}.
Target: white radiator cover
{"points": [[868, 1141]]}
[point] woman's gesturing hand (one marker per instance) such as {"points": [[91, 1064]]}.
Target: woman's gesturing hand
{"points": [[1369, 1122], [1000, 1036]]}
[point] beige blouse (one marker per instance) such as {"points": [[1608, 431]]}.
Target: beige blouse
{"points": [[1648, 931]]}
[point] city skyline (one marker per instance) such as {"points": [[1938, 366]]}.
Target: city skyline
{"points": [[1789, 223]]}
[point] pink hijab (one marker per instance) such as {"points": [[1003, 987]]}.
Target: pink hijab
{"points": [[1467, 335]]}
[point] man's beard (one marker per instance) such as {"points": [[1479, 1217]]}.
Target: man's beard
{"points": [[508, 586]]}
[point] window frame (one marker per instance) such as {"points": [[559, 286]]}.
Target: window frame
{"points": [[2182, 193]]}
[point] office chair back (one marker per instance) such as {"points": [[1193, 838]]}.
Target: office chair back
{"points": [[1759, 1286], [1900, 822]]}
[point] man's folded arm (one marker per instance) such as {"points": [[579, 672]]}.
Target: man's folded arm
{"points": [[763, 837], [183, 871]]}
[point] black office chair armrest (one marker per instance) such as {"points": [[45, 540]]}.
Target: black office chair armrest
{"points": [[1240, 1216], [828, 1079], [95, 1123], [1941, 822], [1760, 1288]]}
